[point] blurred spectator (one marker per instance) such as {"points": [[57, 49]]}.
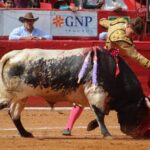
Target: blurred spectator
{"points": [[64, 5], [36, 3], [46, 1], [115, 5], [93, 4], [28, 31], [23, 3], [8, 3], [112, 5], [78, 3]]}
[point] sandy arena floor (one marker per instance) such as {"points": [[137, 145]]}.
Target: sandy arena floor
{"points": [[47, 128]]}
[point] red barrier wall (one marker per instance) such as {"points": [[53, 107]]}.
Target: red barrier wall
{"points": [[6, 45]]}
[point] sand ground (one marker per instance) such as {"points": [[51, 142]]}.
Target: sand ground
{"points": [[47, 127]]}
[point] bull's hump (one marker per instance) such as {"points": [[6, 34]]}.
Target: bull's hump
{"points": [[34, 54], [49, 54]]}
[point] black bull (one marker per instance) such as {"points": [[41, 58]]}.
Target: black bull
{"points": [[53, 75]]}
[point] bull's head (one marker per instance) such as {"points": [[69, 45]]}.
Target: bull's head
{"points": [[134, 117]]}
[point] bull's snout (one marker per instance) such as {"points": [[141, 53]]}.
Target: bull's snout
{"points": [[124, 129]]}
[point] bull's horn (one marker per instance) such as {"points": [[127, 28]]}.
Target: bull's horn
{"points": [[147, 102]]}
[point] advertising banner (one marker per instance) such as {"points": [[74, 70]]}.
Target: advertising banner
{"points": [[67, 23]]}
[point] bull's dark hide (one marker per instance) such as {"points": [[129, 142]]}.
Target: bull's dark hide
{"points": [[127, 95], [129, 100]]}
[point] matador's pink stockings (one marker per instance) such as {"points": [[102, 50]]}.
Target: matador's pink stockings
{"points": [[74, 114]]}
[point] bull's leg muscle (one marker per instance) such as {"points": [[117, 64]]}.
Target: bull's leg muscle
{"points": [[15, 113]]}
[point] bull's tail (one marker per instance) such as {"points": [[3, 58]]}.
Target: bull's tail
{"points": [[3, 62]]}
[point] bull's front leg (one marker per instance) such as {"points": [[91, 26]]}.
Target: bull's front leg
{"points": [[100, 119], [97, 97], [15, 114]]}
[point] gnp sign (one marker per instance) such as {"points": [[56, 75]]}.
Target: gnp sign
{"points": [[80, 23]]}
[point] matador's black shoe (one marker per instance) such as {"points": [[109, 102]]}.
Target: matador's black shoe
{"points": [[66, 132], [92, 125]]}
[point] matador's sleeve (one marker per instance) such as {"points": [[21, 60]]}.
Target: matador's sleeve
{"points": [[126, 45], [104, 23], [107, 23]]}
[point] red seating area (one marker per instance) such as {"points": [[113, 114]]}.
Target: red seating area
{"points": [[132, 4], [45, 5], [1, 4]]}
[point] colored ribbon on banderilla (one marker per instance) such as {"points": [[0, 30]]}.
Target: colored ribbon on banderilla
{"points": [[85, 66], [94, 73], [115, 52]]}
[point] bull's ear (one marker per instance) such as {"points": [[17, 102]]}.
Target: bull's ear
{"points": [[147, 102]]}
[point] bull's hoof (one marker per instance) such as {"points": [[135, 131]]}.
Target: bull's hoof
{"points": [[92, 125], [27, 135], [109, 137]]}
